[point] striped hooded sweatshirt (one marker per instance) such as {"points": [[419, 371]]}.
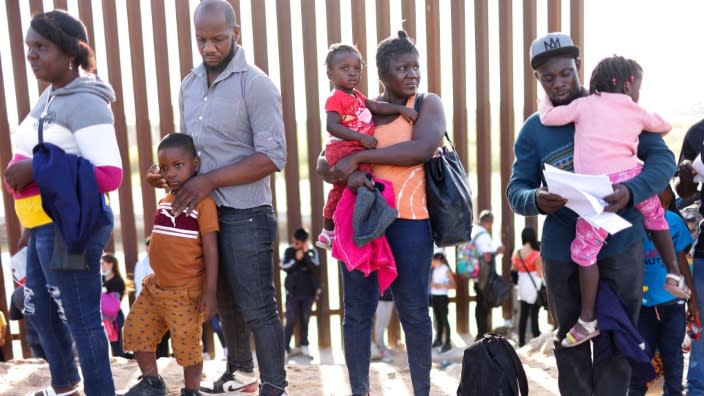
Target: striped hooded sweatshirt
{"points": [[78, 119]]}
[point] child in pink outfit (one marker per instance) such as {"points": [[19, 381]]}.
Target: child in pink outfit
{"points": [[607, 125], [349, 122]]}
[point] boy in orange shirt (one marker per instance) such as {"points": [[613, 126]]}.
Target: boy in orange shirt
{"points": [[180, 294]]}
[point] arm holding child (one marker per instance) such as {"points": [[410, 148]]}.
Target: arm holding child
{"points": [[335, 127]]}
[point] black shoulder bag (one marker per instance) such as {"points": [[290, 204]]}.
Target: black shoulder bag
{"points": [[447, 193]]}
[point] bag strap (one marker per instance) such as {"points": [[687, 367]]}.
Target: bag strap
{"points": [[517, 367], [418, 104], [525, 267]]}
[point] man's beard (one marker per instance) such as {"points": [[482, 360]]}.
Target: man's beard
{"points": [[217, 69]]}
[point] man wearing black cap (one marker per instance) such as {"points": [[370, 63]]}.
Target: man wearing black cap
{"points": [[555, 60]]}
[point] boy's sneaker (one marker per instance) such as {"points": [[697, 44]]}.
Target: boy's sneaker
{"points": [[189, 392], [229, 383], [147, 386], [325, 239]]}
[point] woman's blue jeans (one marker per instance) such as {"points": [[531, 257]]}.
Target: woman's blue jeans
{"points": [[412, 246], [695, 375], [64, 306]]}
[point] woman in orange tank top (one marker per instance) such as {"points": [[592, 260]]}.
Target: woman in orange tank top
{"points": [[526, 260], [401, 152]]}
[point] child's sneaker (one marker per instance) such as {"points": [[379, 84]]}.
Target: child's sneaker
{"points": [[325, 239], [147, 386]]}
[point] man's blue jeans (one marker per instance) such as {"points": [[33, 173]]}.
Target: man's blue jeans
{"points": [[246, 261], [662, 328], [63, 306], [412, 246], [695, 375]]}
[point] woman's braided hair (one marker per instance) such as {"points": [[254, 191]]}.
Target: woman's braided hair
{"points": [[392, 47], [612, 73], [68, 33]]}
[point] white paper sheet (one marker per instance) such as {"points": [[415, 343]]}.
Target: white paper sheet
{"points": [[584, 195]]}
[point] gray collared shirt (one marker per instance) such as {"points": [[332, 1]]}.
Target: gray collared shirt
{"points": [[238, 115]]}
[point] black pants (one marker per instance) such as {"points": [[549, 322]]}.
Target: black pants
{"points": [[532, 311], [481, 313], [577, 375], [298, 310], [440, 311]]}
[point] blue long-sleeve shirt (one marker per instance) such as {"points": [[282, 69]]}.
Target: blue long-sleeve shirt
{"points": [[537, 144]]}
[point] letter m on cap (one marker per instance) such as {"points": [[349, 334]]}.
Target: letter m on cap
{"points": [[552, 44]]}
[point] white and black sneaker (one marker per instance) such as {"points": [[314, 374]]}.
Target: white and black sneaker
{"points": [[234, 383]]}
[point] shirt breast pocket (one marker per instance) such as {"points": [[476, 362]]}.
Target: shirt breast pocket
{"points": [[229, 118]]}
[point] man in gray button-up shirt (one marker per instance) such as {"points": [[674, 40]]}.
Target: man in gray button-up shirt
{"points": [[233, 112]]}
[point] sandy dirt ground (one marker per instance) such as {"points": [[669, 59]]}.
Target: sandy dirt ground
{"points": [[325, 374]]}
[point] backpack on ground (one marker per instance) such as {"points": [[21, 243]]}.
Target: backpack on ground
{"points": [[491, 367]]}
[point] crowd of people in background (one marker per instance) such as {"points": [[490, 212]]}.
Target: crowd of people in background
{"points": [[211, 248]]}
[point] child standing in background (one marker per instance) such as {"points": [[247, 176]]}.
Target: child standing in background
{"points": [[441, 281], [180, 294], [661, 322], [114, 283], [302, 288], [607, 125], [349, 122]]}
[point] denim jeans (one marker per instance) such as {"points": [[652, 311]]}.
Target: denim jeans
{"points": [[662, 328], [248, 302], [64, 306], [298, 310], [695, 375], [412, 246], [577, 375]]}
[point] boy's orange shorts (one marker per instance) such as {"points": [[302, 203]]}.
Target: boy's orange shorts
{"points": [[158, 310]]}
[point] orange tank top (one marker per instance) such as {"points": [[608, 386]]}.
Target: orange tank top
{"points": [[408, 181]]}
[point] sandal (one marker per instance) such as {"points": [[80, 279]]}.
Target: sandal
{"points": [[575, 337], [49, 391], [678, 288]]}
